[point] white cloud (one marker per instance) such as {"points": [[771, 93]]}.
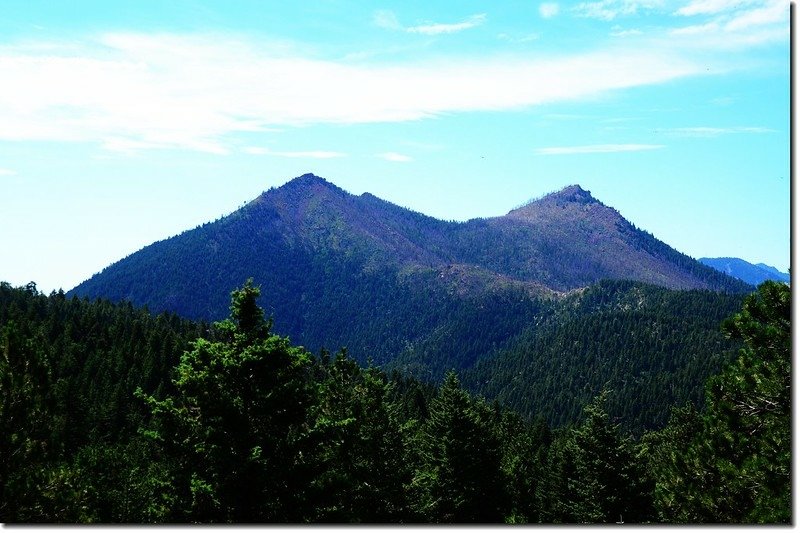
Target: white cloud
{"points": [[310, 154], [394, 157], [7, 172], [776, 11], [131, 92], [697, 29], [548, 9], [610, 9], [626, 33], [386, 19], [710, 7], [736, 24], [436, 28], [522, 39], [707, 131], [597, 149]]}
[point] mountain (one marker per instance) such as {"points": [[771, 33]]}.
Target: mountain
{"points": [[747, 272], [343, 270]]}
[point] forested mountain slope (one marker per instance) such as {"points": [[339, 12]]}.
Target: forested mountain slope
{"points": [[343, 270], [649, 347]]}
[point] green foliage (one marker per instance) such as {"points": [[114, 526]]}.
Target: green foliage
{"points": [[524, 466], [237, 426], [68, 370], [679, 478], [361, 447], [651, 347], [119, 483], [459, 479], [596, 476], [732, 463], [105, 422], [26, 421]]}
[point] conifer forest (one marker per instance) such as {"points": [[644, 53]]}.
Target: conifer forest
{"points": [[113, 414]]}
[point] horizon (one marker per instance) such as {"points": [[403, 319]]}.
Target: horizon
{"points": [[125, 124]]}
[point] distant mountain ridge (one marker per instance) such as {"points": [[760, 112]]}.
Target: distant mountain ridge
{"points": [[338, 269], [754, 274]]}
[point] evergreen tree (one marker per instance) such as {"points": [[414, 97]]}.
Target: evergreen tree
{"points": [[26, 421], [361, 447], [750, 407], [679, 479], [524, 452], [237, 427], [736, 466], [459, 477], [601, 480]]}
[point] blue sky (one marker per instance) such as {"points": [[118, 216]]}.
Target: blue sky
{"points": [[123, 123]]}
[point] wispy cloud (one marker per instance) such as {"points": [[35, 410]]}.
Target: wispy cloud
{"points": [[395, 157], [625, 33], [437, 28], [617, 120], [387, 19], [521, 39], [775, 11], [311, 154], [697, 29], [707, 131], [129, 92], [548, 9], [610, 9], [7, 172], [566, 116], [732, 24], [711, 7], [597, 149]]}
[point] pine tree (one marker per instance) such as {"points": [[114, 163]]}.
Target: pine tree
{"points": [[361, 445], [598, 478], [26, 421], [734, 464], [237, 427], [459, 478]]}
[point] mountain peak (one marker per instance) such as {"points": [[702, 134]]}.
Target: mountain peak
{"points": [[307, 180], [571, 194], [307, 185]]}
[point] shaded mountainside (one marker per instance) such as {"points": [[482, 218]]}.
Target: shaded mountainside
{"points": [[745, 271], [649, 347], [343, 270]]}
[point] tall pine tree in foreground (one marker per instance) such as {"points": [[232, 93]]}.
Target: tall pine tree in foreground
{"points": [[235, 432]]}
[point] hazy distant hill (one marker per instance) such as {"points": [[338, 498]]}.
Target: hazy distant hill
{"points": [[343, 270], [747, 272]]}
